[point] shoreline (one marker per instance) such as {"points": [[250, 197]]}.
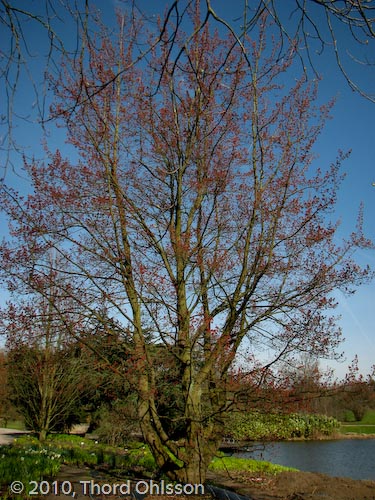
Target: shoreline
{"points": [[334, 437], [243, 445]]}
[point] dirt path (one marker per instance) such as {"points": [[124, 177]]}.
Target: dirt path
{"points": [[73, 477], [7, 436]]}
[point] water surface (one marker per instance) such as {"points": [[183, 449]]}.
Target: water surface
{"points": [[354, 458]]}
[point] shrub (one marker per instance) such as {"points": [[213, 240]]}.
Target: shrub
{"points": [[348, 416], [256, 426], [118, 424]]}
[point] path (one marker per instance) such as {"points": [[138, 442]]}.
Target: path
{"points": [[71, 477], [7, 436], [77, 480]]}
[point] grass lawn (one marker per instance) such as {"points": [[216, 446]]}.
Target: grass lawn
{"points": [[224, 464], [14, 424], [369, 417], [365, 426], [358, 429]]}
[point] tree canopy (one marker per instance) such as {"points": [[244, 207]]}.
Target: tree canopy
{"points": [[35, 37]]}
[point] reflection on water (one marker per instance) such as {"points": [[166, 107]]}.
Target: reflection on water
{"points": [[354, 458]]}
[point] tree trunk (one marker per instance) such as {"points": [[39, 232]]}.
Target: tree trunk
{"points": [[190, 463], [187, 459], [42, 435]]}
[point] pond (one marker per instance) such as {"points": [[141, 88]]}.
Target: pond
{"points": [[354, 458]]}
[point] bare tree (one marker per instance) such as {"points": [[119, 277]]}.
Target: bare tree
{"points": [[193, 212], [46, 374]]}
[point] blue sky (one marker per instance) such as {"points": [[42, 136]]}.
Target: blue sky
{"points": [[350, 128]]}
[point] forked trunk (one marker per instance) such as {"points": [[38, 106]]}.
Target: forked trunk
{"points": [[187, 464], [186, 460]]}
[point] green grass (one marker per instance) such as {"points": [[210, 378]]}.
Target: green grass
{"points": [[75, 450], [369, 417], [15, 424], [223, 464], [365, 426], [358, 429], [26, 463], [78, 451], [29, 460]]}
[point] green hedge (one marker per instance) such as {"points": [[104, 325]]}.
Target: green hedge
{"points": [[258, 426]]}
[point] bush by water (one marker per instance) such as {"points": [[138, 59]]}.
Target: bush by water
{"points": [[257, 426]]}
